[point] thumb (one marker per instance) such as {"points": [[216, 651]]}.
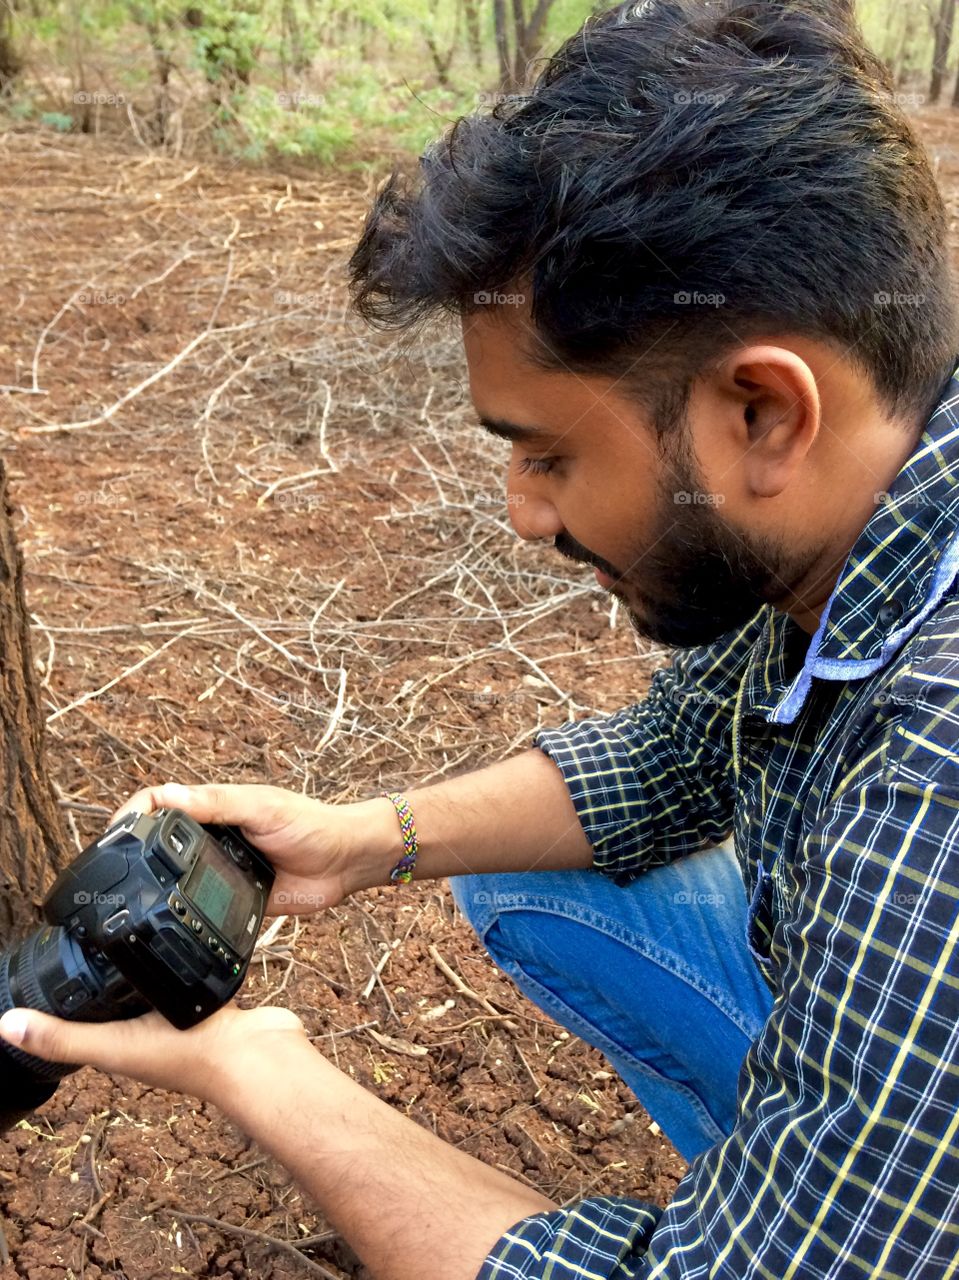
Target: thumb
{"points": [[110, 1046], [43, 1036]]}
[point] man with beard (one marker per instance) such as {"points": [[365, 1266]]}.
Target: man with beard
{"points": [[702, 279]]}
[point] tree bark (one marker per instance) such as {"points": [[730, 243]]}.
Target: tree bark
{"points": [[899, 67], [473, 38], [292, 33], [942, 39], [32, 837], [10, 64], [502, 44], [514, 71]]}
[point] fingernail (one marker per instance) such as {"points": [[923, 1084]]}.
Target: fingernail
{"points": [[176, 795], [13, 1026]]}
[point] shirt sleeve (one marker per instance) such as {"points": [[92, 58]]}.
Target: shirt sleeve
{"points": [[654, 781], [845, 1157]]}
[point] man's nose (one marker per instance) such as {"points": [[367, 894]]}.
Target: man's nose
{"points": [[533, 518]]}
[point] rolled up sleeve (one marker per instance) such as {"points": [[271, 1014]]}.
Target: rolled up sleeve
{"points": [[655, 781]]}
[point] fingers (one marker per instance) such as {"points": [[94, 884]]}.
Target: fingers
{"points": [[225, 804], [110, 1046], [144, 801]]}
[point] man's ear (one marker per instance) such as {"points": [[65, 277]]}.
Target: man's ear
{"points": [[778, 413]]}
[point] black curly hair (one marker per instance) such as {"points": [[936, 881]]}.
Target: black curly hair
{"points": [[684, 175]]}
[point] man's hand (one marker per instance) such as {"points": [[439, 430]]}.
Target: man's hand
{"points": [[314, 847], [206, 1061], [409, 1204], [516, 815]]}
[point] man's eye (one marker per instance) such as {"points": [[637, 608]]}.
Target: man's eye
{"points": [[535, 466]]}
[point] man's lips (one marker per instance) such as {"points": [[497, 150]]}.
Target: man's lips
{"points": [[604, 580]]}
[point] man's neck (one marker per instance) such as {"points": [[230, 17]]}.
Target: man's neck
{"points": [[868, 463]]}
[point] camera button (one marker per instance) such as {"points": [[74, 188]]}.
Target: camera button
{"points": [[197, 926], [117, 922], [71, 995], [178, 906]]}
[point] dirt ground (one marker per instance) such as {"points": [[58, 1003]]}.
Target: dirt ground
{"points": [[262, 545]]}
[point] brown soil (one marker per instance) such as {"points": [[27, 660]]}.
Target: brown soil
{"points": [[370, 626]]}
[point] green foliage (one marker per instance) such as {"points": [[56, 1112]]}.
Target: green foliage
{"points": [[328, 80], [281, 123], [57, 120]]}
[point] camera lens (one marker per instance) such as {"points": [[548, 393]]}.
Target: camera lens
{"points": [[51, 971], [25, 1081]]}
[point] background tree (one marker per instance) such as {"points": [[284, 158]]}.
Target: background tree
{"points": [[943, 21], [33, 841], [9, 59], [519, 31]]}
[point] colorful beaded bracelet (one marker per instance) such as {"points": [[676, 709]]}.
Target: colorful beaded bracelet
{"points": [[402, 873]]}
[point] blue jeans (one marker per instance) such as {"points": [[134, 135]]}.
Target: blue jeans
{"points": [[657, 975]]}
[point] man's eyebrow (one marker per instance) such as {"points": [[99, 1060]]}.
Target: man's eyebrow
{"points": [[511, 431]]}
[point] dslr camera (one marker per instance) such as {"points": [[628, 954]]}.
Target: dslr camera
{"points": [[160, 913]]}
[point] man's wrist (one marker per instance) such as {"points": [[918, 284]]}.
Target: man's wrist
{"points": [[374, 843], [236, 1084]]}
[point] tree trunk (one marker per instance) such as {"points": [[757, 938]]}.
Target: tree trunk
{"points": [[442, 61], [292, 34], [32, 838], [473, 39], [900, 59], [10, 65], [502, 44], [532, 33], [519, 58], [942, 39], [527, 32]]}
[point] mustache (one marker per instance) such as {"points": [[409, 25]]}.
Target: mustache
{"points": [[567, 546]]}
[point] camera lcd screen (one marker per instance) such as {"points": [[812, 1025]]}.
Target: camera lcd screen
{"points": [[221, 892]]}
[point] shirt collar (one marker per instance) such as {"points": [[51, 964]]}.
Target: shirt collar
{"points": [[897, 572]]}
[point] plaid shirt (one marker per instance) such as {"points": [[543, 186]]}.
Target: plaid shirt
{"points": [[835, 763]]}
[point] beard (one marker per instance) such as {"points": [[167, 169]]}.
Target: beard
{"points": [[697, 577]]}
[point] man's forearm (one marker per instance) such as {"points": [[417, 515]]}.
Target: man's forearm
{"points": [[515, 815], [409, 1204]]}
